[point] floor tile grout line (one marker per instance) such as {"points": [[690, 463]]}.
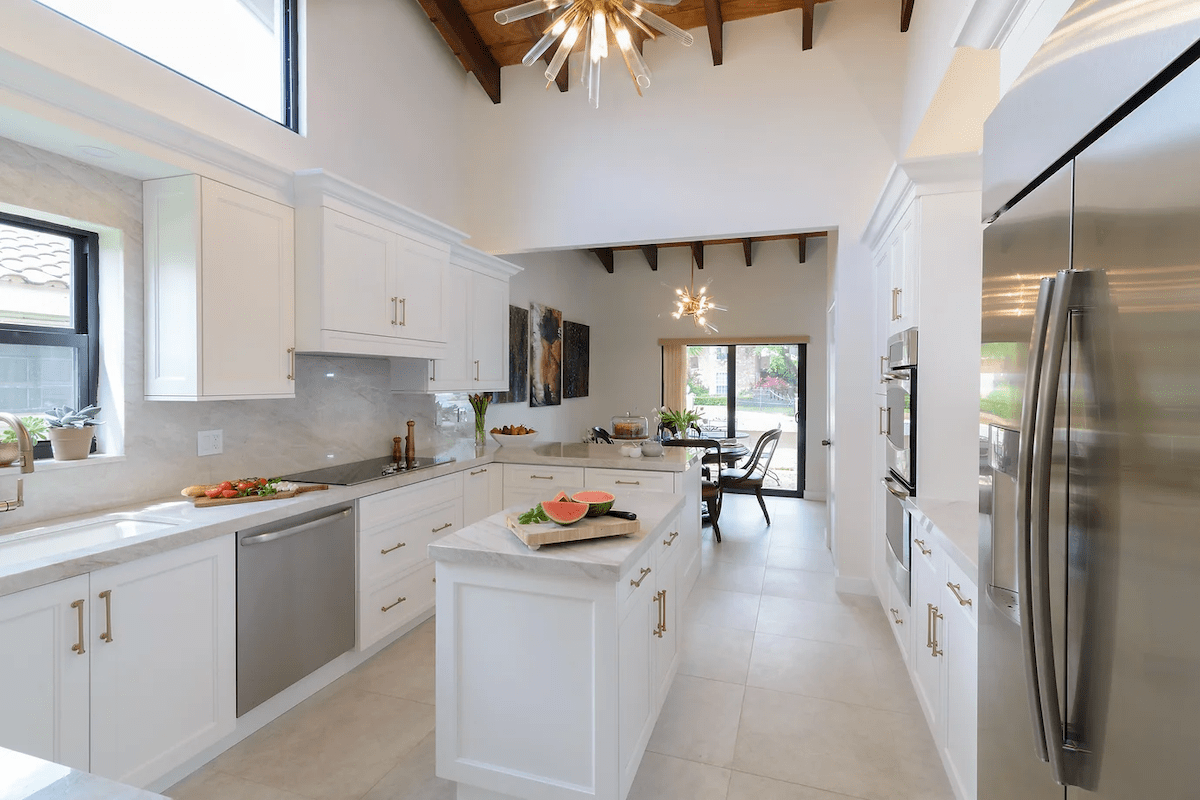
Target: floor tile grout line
{"points": [[795, 783]]}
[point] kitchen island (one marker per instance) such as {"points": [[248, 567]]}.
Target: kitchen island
{"points": [[552, 665]]}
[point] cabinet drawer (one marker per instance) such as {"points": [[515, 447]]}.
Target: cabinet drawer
{"points": [[962, 591], [390, 605], [398, 504], [670, 542], [625, 480], [392, 548], [523, 476], [926, 548], [637, 583]]}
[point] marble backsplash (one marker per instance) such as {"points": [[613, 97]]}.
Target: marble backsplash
{"points": [[343, 410]]}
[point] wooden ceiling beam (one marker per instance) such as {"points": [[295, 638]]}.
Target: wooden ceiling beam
{"points": [[698, 253], [716, 38], [650, 251], [906, 12], [803, 247], [605, 254], [746, 250], [808, 23], [461, 34]]}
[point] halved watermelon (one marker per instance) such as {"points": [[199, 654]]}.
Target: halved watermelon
{"points": [[561, 497], [598, 502], [564, 512]]}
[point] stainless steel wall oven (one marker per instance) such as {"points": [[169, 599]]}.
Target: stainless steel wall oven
{"points": [[898, 422]]}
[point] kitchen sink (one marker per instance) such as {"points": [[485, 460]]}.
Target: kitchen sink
{"points": [[56, 540]]}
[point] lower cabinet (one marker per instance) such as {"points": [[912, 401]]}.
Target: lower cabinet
{"points": [[961, 680], [126, 672], [483, 492]]}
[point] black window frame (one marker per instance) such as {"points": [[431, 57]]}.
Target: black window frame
{"points": [[84, 334], [289, 65]]}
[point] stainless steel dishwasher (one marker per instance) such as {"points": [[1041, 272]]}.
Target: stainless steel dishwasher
{"points": [[295, 600]]}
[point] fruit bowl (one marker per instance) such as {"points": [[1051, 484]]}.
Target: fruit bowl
{"points": [[514, 440]]}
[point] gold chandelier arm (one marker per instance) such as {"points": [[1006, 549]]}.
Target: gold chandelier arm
{"points": [[646, 30]]}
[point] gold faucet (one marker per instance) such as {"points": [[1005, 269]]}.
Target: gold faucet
{"points": [[25, 446]]}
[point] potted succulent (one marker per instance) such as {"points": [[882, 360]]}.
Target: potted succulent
{"points": [[71, 432], [9, 448]]}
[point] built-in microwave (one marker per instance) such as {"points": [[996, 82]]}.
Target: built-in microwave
{"points": [[900, 422]]}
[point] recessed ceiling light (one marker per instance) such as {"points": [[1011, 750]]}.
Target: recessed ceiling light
{"points": [[96, 152]]}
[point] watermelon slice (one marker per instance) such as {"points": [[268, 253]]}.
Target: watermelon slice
{"points": [[564, 512], [561, 497], [598, 502]]}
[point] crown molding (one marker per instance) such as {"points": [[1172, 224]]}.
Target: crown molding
{"points": [[988, 23], [920, 177], [472, 258]]}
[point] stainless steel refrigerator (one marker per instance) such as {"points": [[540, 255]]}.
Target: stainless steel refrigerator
{"points": [[1089, 662]]}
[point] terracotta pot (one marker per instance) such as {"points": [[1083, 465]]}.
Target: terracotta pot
{"points": [[71, 444]]}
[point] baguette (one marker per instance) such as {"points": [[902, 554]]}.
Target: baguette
{"points": [[197, 491]]}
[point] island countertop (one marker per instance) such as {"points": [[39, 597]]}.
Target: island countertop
{"points": [[490, 543], [25, 777], [605, 456]]}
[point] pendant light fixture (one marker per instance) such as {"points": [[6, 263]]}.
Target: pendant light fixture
{"points": [[697, 305], [594, 20]]}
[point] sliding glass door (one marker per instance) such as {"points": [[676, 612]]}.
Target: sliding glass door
{"points": [[745, 390]]}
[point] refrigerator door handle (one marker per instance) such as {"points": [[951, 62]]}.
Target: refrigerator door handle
{"points": [[1033, 374], [1043, 437]]}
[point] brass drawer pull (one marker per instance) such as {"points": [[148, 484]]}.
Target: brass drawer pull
{"points": [[479, 471], [395, 310], [921, 543], [671, 539], [542, 477], [399, 600], [107, 596], [932, 642], [660, 599], [885, 421], [663, 610], [956, 588], [896, 616], [883, 368], [292, 354], [404, 307], [442, 527], [629, 483], [642, 577], [476, 370], [390, 549], [78, 646]]}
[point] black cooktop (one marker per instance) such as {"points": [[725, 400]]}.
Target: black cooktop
{"points": [[363, 471]]}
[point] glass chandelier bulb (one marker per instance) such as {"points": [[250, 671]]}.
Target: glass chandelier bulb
{"points": [[526, 10], [599, 36], [544, 43], [564, 49], [640, 12]]}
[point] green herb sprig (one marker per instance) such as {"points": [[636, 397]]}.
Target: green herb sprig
{"points": [[535, 514]]}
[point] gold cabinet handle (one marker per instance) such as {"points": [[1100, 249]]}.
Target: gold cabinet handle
{"points": [[934, 616], [896, 304], [671, 539], [390, 549], [442, 527], [896, 616], [642, 577], [921, 544], [629, 483], [106, 595], [957, 588], [662, 610], [404, 315], [660, 599], [78, 646], [476, 370], [395, 310], [433, 369], [292, 356], [542, 477], [478, 471], [399, 600], [883, 365], [885, 421]]}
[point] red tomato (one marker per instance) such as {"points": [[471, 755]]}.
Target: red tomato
{"points": [[229, 493], [225, 485], [213, 492], [243, 485]]}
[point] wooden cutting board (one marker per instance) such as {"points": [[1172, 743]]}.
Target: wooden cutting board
{"points": [[205, 502], [540, 533]]}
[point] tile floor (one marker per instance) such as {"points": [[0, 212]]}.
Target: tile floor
{"points": [[786, 691]]}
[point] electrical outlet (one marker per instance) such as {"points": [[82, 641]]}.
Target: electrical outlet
{"points": [[209, 443]]}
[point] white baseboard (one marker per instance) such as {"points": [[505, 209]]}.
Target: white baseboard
{"points": [[819, 497], [847, 585]]}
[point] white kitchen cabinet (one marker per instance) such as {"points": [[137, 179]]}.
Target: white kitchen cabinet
{"points": [[666, 581], [127, 672], [483, 492], [959, 607], [901, 619], [45, 644], [904, 263], [637, 690], [369, 273], [525, 485], [928, 567], [219, 292], [163, 660]]}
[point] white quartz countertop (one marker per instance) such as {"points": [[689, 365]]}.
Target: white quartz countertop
{"points": [[24, 777], [490, 543], [608, 456], [958, 522], [69, 546]]}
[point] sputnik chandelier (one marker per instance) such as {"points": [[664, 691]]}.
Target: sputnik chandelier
{"points": [[696, 304], [595, 19]]}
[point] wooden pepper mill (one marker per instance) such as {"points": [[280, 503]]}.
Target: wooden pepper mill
{"points": [[397, 448], [410, 444]]}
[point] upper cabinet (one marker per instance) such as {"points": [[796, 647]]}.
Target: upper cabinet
{"points": [[370, 274], [219, 292], [905, 275]]}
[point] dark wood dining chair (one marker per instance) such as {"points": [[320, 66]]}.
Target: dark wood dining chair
{"points": [[752, 474], [711, 491]]}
